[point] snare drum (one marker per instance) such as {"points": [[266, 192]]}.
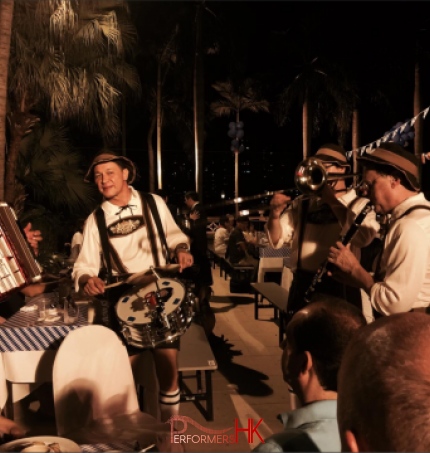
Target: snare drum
{"points": [[144, 324]]}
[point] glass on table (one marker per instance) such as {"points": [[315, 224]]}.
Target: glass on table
{"points": [[91, 313], [41, 303], [70, 311]]}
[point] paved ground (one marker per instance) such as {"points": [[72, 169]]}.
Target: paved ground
{"points": [[247, 385]]}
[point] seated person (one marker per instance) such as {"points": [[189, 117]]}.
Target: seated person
{"points": [[222, 234], [237, 250], [9, 430], [251, 240], [251, 234], [317, 336], [384, 398]]}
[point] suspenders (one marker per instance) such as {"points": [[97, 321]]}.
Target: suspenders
{"points": [[111, 255]]}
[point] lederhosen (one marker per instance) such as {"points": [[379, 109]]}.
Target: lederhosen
{"points": [[302, 279], [111, 260], [378, 277]]}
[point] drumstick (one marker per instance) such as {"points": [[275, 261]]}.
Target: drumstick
{"points": [[112, 285]]}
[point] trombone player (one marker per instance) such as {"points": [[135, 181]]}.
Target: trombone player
{"points": [[315, 221]]}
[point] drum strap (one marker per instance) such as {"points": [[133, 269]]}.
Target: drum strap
{"points": [[109, 252], [156, 216]]}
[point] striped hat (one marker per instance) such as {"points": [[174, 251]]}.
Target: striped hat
{"points": [[395, 156], [333, 154], [110, 157]]}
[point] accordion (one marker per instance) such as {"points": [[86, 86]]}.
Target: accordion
{"points": [[18, 266]]}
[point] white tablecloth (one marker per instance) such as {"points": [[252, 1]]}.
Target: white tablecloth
{"points": [[27, 352]]}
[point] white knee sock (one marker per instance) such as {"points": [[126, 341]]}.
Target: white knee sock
{"points": [[169, 404]]}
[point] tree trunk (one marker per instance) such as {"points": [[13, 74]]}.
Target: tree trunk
{"points": [[418, 126], [355, 142], [159, 113], [151, 154], [198, 91], [236, 172], [307, 126], [6, 18]]}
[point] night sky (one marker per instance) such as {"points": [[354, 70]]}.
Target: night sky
{"points": [[267, 40]]}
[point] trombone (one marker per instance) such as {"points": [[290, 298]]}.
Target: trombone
{"points": [[310, 177]]}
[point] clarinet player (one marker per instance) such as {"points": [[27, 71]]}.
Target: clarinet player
{"points": [[311, 225], [401, 278]]}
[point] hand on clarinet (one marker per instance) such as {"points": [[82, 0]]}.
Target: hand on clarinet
{"points": [[341, 256], [348, 269]]}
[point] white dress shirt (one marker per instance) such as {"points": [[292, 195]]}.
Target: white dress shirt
{"points": [[134, 249], [405, 261]]}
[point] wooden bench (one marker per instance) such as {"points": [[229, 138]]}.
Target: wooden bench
{"points": [[277, 296], [196, 356]]}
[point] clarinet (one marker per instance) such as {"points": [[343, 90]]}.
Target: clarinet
{"points": [[346, 239]]}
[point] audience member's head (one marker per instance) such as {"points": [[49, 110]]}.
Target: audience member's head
{"points": [[242, 222], [384, 386], [317, 336], [226, 222], [191, 197]]}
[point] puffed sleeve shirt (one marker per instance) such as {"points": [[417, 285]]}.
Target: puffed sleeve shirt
{"points": [[404, 270], [133, 248]]}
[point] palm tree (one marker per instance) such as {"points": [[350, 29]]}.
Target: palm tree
{"points": [[50, 170], [50, 186], [234, 100], [68, 61], [6, 15], [321, 91], [166, 57], [202, 47]]}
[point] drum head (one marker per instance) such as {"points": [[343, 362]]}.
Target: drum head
{"points": [[137, 304]]}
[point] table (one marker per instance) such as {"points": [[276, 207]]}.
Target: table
{"points": [[272, 260], [27, 353]]}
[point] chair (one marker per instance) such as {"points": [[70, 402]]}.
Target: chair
{"points": [[95, 397]]}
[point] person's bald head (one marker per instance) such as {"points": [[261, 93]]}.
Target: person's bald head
{"points": [[323, 328], [384, 386]]}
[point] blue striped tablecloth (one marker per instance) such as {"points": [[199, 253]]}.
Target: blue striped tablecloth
{"points": [[19, 332], [270, 252]]}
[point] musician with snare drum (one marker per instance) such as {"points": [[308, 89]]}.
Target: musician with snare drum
{"points": [[401, 280], [314, 221], [124, 231]]}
